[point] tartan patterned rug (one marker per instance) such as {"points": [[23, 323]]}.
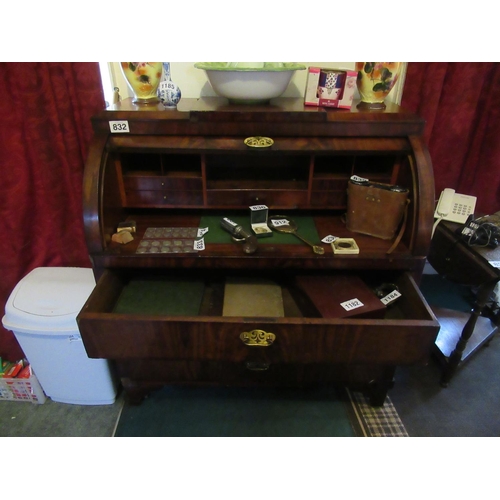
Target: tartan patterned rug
{"points": [[380, 421]]}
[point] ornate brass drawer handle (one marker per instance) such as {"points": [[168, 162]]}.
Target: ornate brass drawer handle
{"points": [[258, 142], [258, 338]]}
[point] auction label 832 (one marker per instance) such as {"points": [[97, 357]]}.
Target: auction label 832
{"points": [[119, 126]]}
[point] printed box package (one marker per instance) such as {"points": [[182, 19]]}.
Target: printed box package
{"points": [[330, 87]]}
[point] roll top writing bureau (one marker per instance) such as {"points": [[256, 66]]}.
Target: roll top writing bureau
{"points": [[186, 302]]}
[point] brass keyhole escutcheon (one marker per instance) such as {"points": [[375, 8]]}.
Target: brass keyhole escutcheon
{"points": [[258, 338], [258, 142]]}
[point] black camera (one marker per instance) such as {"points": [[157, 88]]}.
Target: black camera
{"points": [[481, 234]]}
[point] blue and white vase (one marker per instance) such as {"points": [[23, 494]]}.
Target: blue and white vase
{"points": [[168, 92]]}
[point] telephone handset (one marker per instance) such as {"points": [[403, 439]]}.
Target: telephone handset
{"points": [[455, 207]]}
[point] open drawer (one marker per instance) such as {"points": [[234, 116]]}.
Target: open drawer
{"points": [[133, 315]]}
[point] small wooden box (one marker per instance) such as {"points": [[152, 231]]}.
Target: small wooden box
{"points": [[339, 297]]}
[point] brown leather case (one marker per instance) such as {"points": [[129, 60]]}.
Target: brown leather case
{"points": [[374, 211]]}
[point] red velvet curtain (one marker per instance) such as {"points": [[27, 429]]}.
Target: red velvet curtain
{"points": [[45, 131], [461, 104]]}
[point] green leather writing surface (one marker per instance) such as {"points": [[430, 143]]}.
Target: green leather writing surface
{"points": [[215, 234]]}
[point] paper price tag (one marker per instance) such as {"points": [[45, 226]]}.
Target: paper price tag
{"points": [[119, 126], [167, 85], [495, 263], [390, 297], [202, 231], [199, 244], [356, 178], [280, 222], [258, 207], [329, 239], [349, 305]]}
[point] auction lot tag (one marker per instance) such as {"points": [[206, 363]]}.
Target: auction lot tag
{"points": [[280, 222], [119, 126], [329, 239], [199, 244], [390, 297], [349, 305]]}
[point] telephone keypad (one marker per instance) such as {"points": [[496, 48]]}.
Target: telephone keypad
{"points": [[461, 209]]}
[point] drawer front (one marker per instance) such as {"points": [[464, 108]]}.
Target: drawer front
{"points": [[159, 198], [150, 182], [246, 198], [360, 341], [327, 184], [329, 198], [248, 373], [404, 336]]}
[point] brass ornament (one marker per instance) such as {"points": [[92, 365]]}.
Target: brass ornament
{"points": [[258, 338], [258, 142]]}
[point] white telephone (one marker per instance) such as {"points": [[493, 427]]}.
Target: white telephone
{"points": [[454, 207]]}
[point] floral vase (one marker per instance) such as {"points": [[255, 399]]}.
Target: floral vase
{"points": [[168, 92], [143, 78], [375, 81]]}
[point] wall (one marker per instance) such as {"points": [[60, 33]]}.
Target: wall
{"points": [[193, 82]]}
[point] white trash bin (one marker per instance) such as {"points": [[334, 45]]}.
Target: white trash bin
{"points": [[41, 312]]}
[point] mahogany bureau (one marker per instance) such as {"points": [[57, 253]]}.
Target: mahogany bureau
{"points": [[186, 169]]}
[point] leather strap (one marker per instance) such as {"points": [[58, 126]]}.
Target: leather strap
{"points": [[401, 231]]}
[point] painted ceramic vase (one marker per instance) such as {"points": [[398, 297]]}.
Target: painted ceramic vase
{"points": [[168, 92], [375, 81], [143, 79]]}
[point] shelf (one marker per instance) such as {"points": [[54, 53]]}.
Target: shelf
{"points": [[271, 252]]}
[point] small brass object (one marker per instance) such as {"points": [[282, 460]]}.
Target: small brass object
{"points": [[258, 142], [258, 338], [289, 226]]}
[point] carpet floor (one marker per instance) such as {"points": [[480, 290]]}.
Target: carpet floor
{"points": [[236, 412], [258, 412], [468, 406]]}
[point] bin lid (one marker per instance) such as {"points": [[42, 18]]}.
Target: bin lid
{"points": [[48, 298]]}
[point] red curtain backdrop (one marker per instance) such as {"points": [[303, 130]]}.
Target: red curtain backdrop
{"points": [[45, 131], [461, 104]]}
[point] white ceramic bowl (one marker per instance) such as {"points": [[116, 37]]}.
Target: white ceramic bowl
{"points": [[249, 83]]}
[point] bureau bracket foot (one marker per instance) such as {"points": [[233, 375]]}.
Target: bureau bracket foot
{"points": [[378, 390], [136, 393]]}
